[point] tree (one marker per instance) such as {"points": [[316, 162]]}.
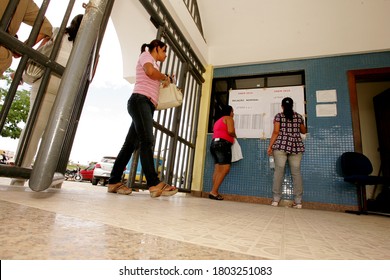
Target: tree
{"points": [[19, 108]]}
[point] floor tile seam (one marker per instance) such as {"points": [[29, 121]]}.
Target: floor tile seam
{"points": [[368, 240], [315, 250], [258, 240], [334, 245], [302, 221], [324, 238], [315, 253], [306, 225], [271, 220], [343, 238], [286, 214], [347, 248]]}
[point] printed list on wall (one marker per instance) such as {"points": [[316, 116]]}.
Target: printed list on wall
{"points": [[255, 109]]}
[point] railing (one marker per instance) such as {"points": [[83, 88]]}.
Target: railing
{"points": [[192, 6], [162, 18], [57, 142]]}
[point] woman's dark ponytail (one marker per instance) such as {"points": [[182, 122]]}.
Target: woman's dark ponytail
{"points": [[154, 44], [143, 47], [287, 104]]}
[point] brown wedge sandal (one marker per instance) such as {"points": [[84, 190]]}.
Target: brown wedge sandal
{"points": [[119, 188], [112, 188], [124, 190], [164, 191], [155, 192], [167, 192]]}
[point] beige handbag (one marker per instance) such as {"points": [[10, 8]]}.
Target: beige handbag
{"points": [[169, 97], [34, 70]]}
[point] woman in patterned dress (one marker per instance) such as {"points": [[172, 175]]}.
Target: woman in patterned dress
{"points": [[286, 144]]}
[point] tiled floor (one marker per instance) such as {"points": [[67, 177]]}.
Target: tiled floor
{"points": [[81, 221]]}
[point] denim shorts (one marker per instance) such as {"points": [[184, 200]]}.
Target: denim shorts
{"points": [[221, 150]]}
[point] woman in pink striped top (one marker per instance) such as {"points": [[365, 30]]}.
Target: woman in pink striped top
{"points": [[141, 106]]}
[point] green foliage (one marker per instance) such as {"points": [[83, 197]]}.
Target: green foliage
{"points": [[19, 108]]}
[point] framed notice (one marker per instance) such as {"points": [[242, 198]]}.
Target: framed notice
{"points": [[255, 109]]}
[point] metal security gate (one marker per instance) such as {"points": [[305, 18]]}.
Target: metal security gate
{"points": [[56, 144], [175, 129]]}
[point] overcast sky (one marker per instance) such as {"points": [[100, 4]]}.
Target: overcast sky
{"points": [[104, 121]]}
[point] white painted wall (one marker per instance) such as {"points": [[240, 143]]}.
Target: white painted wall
{"points": [[133, 27]]}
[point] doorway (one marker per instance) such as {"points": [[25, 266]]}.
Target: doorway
{"points": [[364, 85], [382, 116]]}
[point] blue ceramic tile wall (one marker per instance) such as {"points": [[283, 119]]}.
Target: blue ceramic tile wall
{"points": [[328, 137]]}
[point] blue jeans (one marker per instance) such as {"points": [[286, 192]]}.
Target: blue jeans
{"points": [[140, 134], [294, 161]]}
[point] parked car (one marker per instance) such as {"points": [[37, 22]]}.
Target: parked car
{"points": [[87, 173], [102, 170]]}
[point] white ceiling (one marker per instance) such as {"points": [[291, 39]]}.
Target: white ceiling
{"points": [[256, 31], [241, 32]]}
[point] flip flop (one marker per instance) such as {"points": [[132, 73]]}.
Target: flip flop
{"points": [[216, 197]]}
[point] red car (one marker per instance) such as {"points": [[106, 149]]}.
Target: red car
{"points": [[87, 173]]}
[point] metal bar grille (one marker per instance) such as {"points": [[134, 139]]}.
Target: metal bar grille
{"points": [[175, 128]]}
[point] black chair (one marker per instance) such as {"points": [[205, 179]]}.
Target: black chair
{"points": [[356, 169]]}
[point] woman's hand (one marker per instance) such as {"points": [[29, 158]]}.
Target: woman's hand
{"points": [[269, 151], [166, 81]]}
